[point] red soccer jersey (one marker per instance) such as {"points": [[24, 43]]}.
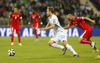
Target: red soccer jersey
{"points": [[34, 17], [79, 22], [15, 19]]}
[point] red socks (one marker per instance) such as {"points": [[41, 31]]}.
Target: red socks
{"points": [[95, 48], [36, 35], [12, 38], [87, 42], [19, 38]]}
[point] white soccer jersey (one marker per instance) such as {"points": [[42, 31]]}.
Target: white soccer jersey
{"points": [[58, 28]]}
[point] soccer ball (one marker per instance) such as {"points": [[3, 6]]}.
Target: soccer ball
{"points": [[11, 52]]}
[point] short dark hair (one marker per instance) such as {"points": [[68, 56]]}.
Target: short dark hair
{"points": [[51, 9]]}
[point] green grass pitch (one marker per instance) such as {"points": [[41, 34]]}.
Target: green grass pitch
{"points": [[40, 52]]}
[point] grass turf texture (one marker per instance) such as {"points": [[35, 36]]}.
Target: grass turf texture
{"points": [[40, 52]]}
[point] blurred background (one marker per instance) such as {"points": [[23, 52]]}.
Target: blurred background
{"points": [[87, 8]]}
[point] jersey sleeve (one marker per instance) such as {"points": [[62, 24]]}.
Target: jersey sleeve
{"points": [[70, 24], [79, 18], [55, 20], [30, 16], [10, 15], [38, 16]]}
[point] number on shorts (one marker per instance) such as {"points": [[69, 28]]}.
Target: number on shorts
{"points": [[62, 36]]}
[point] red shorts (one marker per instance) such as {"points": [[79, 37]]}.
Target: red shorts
{"points": [[15, 28], [86, 34], [35, 26]]}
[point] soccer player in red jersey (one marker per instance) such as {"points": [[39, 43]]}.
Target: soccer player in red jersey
{"points": [[34, 17], [87, 31], [15, 16]]}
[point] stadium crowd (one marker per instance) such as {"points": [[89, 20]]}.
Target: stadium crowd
{"points": [[62, 8], [96, 3]]}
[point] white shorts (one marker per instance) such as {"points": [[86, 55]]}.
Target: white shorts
{"points": [[62, 36]]}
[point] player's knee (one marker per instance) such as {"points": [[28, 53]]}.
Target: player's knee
{"points": [[64, 43], [12, 33], [50, 43]]}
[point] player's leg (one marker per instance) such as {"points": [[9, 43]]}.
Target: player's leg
{"points": [[85, 39], [55, 45], [69, 47], [18, 34], [84, 36], [12, 35], [35, 27], [53, 42], [95, 48], [35, 31], [63, 39]]}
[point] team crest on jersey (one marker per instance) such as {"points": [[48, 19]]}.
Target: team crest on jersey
{"points": [[54, 21], [33, 17]]}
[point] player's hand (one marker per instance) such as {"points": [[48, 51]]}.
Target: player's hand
{"points": [[29, 23], [93, 21], [21, 26], [42, 29], [8, 25]]}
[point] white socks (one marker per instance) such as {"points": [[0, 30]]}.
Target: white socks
{"points": [[57, 46], [70, 49]]}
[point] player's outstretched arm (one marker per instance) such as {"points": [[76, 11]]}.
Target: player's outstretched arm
{"points": [[50, 27], [66, 27], [93, 21], [21, 23], [29, 21], [8, 22]]}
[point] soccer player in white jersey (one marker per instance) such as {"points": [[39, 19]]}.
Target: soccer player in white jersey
{"points": [[60, 34]]}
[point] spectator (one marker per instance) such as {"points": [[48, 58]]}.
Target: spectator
{"points": [[62, 8]]}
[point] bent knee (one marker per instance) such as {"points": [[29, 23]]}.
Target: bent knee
{"points": [[12, 33], [64, 43], [50, 43]]}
